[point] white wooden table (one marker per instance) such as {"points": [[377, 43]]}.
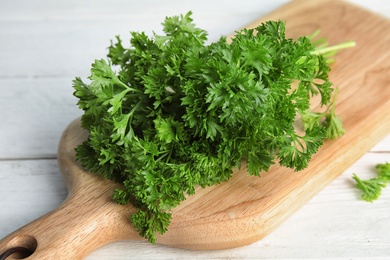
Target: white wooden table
{"points": [[45, 44]]}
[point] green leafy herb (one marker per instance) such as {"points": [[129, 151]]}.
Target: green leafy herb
{"points": [[383, 171], [328, 119], [372, 188], [170, 113]]}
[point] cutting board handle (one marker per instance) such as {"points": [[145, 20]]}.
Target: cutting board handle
{"points": [[86, 220], [72, 231]]}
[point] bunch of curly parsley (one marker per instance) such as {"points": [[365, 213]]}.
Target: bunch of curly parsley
{"points": [[179, 113]]}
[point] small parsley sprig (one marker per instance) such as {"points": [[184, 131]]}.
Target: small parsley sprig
{"points": [[170, 113], [372, 188], [328, 119]]}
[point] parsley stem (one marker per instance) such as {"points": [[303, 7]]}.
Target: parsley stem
{"points": [[336, 91], [333, 48], [129, 88]]}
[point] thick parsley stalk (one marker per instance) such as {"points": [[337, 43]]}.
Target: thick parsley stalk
{"points": [[180, 113]]}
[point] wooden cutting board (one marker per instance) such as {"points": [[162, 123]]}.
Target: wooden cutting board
{"points": [[244, 209]]}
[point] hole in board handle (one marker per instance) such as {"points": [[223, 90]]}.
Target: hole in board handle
{"points": [[20, 247]]}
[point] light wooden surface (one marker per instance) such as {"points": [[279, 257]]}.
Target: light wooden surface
{"points": [[44, 45]]}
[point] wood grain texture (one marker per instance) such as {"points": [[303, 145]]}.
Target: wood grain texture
{"points": [[358, 144]]}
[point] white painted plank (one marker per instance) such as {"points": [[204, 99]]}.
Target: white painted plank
{"points": [[46, 39], [382, 146], [33, 115], [28, 190]]}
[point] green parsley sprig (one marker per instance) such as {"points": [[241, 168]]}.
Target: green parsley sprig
{"points": [[179, 113], [328, 119], [372, 188]]}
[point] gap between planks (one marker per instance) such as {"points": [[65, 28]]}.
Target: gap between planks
{"points": [[29, 158]]}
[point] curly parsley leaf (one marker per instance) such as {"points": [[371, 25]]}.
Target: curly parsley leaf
{"points": [[372, 188], [383, 171], [170, 113]]}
